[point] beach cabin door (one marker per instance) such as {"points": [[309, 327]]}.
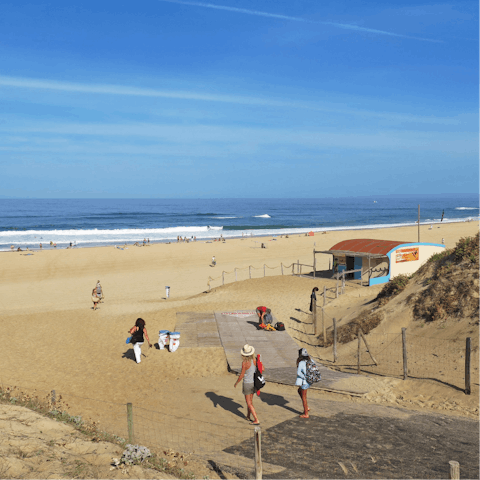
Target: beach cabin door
{"points": [[350, 266]]}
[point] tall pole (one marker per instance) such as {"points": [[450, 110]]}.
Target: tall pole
{"points": [[418, 223]]}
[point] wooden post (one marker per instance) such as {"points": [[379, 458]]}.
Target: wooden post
{"points": [[281, 267], [359, 353], [467, 366], [314, 263], [293, 271], [223, 278], [249, 271], [419, 223], [454, 470], [235, 274], [368, 348], [131, 437], [343, 282], [314, 311], [324, 295], [54, 400], [298, 266], [337, 285], [404, 343], [323, 327], [334, 340], [258, 453], [263, 269]]}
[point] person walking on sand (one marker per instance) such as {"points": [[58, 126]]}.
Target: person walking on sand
{"points": [[99, 290], [248, 369], [138, 331], [301, 381], [313, 298], [214, 262], [95, 298]]}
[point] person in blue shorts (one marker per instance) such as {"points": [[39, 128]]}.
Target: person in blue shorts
{"points": [[301, 381]]}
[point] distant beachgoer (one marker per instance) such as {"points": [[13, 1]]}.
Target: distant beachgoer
{"points": [[12, 247], [51, 243], [248, 369], [443, 214], [138, 332], [214, 262], [55, 245], [313, 298], [19, 249], [301, 381], [95, 298], [71, 245], [41, 246], [99, 290]]}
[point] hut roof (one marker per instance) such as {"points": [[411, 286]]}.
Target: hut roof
{"points": [[366, 246]]}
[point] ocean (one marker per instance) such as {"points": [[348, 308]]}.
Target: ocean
{"points": [[89, 222]]}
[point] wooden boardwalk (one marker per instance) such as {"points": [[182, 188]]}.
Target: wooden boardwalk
{"points": [[278, 350]]}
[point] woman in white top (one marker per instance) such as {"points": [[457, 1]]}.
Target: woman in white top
{"points": [[249, 364], [301, 381]]}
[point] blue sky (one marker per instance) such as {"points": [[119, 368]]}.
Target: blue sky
{"points": [[237, 98]]}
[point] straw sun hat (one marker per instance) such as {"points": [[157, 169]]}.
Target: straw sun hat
{"points": [[247, 350]]}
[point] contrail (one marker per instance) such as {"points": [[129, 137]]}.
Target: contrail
{"points": [[122, 90], [345, 26]]}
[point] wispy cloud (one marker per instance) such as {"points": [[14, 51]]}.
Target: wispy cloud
{"points": [[345, 26], [122, 90]]}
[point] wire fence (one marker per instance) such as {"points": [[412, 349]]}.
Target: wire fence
{"points": [[401, 354], [322, 448]]}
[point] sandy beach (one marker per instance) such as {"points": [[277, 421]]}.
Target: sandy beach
{"points": [[52, 339]]}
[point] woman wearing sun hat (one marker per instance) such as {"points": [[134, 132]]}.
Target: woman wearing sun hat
{"points": [[301, 381], [249, 365]]}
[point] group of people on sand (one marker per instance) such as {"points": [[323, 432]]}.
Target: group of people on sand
{"points": [[249, 365], [185, 239], [97, 295]]}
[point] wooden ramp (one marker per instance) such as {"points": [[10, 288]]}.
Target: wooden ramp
{"points": [[278, 350], [232, 330]]}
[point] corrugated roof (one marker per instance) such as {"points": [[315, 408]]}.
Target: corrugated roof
{"points": [[366, 245]]}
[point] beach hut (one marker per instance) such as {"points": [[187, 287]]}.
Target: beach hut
{"points": [[378, 261]]}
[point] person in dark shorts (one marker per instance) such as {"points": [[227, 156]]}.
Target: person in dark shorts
{"points": [[249, 365], [301, 381]]}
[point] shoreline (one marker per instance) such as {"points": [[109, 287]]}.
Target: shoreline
{"points": [[293, 232]]}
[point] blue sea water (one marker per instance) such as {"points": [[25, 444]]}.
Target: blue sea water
{"points": [[89, 222]]}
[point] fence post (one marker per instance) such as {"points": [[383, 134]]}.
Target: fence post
{"points": [[323, 315], [467, 366], [359, 353], [314, 311], [131, 437], [334, 340], [343, 282], [404, 344], [281, 266], [298, 267], [293, 267], [54, 399], [314, 263], [263, 269], [454, 470], [249, 271], [235, 274], [337, 285], [258, 453], [368, 348]]}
